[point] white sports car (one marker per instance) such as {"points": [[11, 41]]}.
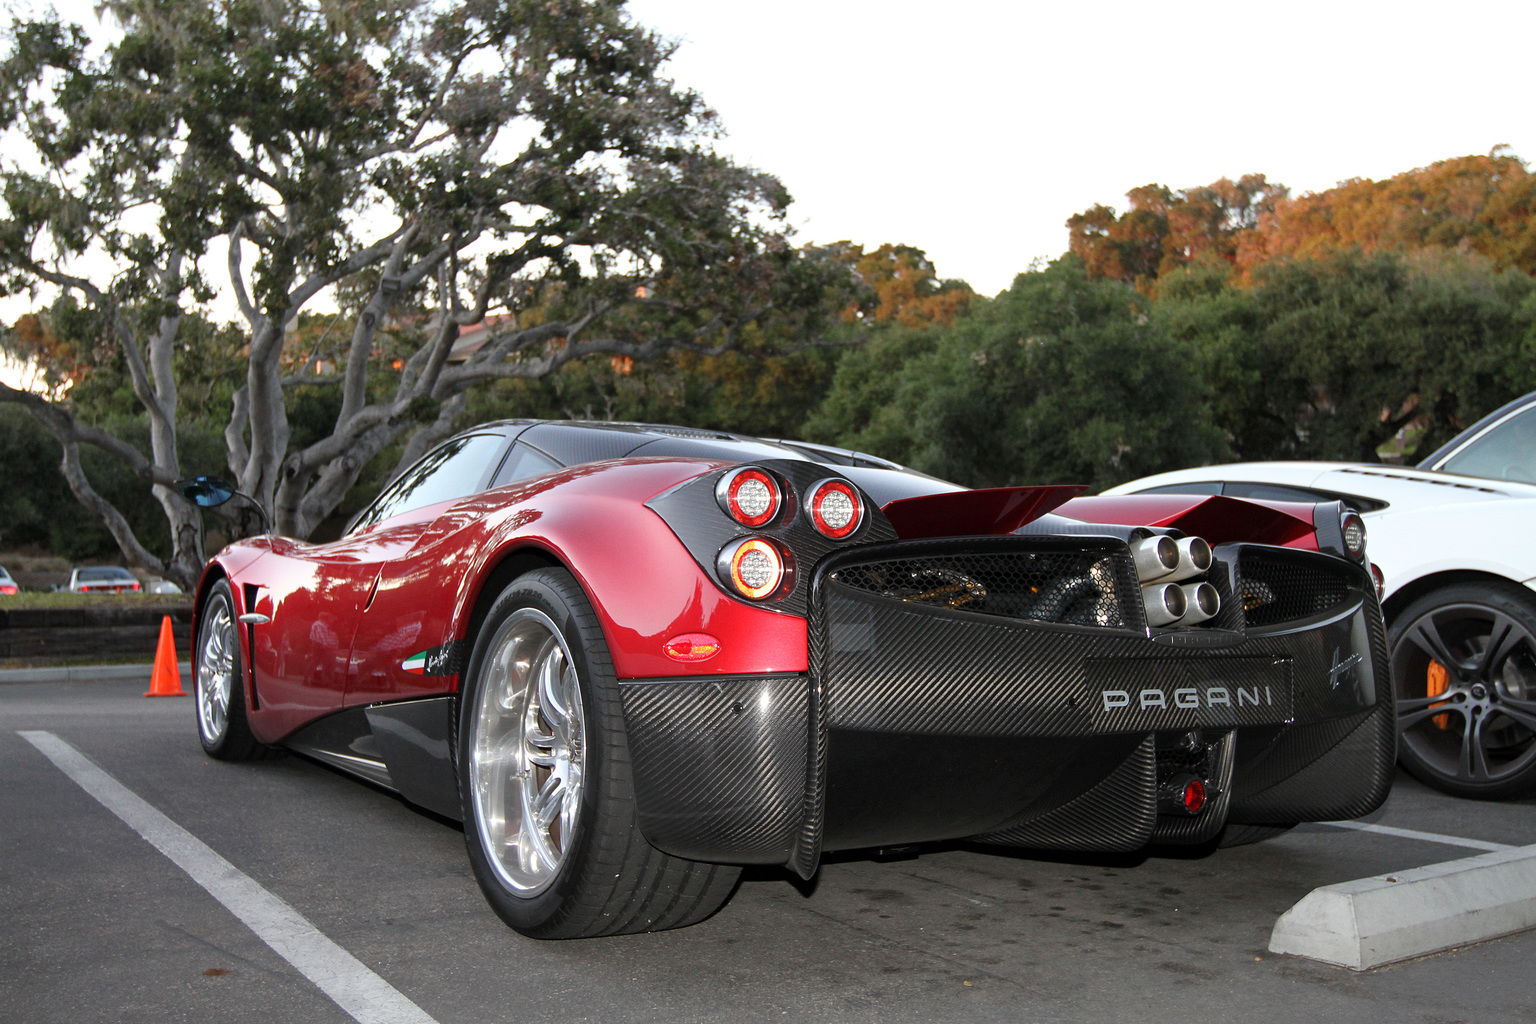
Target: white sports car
{"points": [[1455, 541]]}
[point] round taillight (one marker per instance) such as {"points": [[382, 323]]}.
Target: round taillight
{"points": [[1354, 535], [1194, 796], [835, 508], [755, 568], [750, 496]]}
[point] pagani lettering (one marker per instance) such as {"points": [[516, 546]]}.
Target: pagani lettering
{"points": [[1188, 697]]}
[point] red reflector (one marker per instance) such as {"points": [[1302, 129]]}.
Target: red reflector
{"points": [[1194, 796], [692, 647]]}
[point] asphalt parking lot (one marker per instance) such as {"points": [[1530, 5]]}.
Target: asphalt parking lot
{"points": [[99, 925]]}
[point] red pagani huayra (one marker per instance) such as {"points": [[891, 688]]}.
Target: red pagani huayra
{"points": [[633, 658]]}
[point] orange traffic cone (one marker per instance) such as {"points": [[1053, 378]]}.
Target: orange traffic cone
{"points": [[166, 681]]}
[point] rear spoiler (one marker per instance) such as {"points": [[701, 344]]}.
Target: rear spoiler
{"points": [[1216, 517], [996, 510]]}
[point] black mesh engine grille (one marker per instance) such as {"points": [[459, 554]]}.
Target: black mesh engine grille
{"points": [[1277, 589], [1076, 587]]}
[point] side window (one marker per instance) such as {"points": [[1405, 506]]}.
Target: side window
{"points": [[451, 470], [1504, 452], [1274, 492], [521, 463], [1204, 487]]}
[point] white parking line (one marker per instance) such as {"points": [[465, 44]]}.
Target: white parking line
{"points": [[1428, 837], [363, 995]]}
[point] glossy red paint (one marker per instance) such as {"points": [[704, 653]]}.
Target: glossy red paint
{"points": [[994, 510], [312, 594], [643, 583], [1216, 518], [346, 615]]}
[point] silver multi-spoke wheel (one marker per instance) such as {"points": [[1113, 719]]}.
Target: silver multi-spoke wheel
{"points": [[219, 681], [1464, 666], [527, 752], [544, 774], [215, 672]]}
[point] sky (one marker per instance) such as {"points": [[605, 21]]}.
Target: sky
{"points": [[973, 129]]}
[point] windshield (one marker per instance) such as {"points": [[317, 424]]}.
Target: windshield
{"points": [[1504, 452], [102, 575]]}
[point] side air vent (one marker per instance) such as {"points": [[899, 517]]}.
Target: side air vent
{"points": [[1277, 588]]}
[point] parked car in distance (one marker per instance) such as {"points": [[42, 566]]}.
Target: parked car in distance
{"points": [[156, 585], [1452, 539], [103, 579], [7, 583]]}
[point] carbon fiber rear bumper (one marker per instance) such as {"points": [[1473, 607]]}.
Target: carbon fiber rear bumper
{"points": [[920, 723]]}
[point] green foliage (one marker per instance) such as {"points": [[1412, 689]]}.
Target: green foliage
{"points": [[750, 391], [861, 410], [38, 510], [1330, 358], [1060, 379], [522, 165]]}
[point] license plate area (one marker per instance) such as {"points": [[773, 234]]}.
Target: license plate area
{"points": [[1154, 694]]}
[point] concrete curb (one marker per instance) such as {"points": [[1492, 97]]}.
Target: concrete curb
{"points": [[85, 673], [1380, 920]]}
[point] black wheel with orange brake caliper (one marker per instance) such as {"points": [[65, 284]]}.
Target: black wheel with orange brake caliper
{"points": [[1464, 672]]}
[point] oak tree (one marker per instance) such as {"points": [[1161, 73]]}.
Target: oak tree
{"points": [[522, 168]]}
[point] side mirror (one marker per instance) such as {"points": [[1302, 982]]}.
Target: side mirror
{"points": [[207, 491]]}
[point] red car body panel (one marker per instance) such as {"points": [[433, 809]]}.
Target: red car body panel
{"points": [[345, 615]]}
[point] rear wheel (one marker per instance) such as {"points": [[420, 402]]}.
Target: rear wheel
{"points": [[549, 808], [1464, 670], [218, 682]]}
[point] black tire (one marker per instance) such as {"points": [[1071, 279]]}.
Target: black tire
{"points": [[218, 682], [1244, 835], [1464, 675], [552, 732]]}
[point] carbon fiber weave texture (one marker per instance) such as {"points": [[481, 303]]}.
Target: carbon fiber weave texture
{"points": [[892, 666], [806, 855], [694, 516], [1334, 769], [1217, 771], [720, 765], [1118, 814]]}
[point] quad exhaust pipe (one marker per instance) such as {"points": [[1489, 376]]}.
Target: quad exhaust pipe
{"points": [[1161, 563], [1165, 603], [1201, 602], [1162, 559], [1183, 604]]}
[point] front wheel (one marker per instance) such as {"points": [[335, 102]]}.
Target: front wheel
{"points": [[1464, 670], [549, 808], [218, 682]]}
